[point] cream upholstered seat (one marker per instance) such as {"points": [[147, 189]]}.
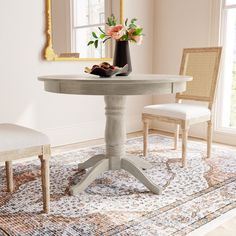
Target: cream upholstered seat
{"points": [[17, 137], [18, 142], [178, 110], [203, 65]]}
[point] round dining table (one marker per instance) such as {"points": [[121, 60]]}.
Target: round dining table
{"points": [[115, 90]]}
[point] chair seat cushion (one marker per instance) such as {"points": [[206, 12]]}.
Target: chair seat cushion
{"points": [[178, 110], [13, 137]]}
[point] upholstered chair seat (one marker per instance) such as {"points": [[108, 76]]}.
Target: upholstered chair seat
{"points": [[18, 142], [13, 137], [178, 110]]}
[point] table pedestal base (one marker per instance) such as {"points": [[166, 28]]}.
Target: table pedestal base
{"points": [[116, 157], [100, 164]]}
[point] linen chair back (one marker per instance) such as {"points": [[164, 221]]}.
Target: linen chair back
{"points": [[203, 65]]}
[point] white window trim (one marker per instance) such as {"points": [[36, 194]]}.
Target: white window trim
{"points": [[108, 9], [221, 134]]}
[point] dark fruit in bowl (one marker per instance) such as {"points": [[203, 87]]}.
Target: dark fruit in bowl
{"points": [[105, 69], [105, 65], [95, 66]]}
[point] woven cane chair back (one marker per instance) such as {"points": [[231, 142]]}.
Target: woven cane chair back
{"points": [[203, 65]]}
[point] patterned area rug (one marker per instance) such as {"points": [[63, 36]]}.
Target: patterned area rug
{"points": [[116, 203]]}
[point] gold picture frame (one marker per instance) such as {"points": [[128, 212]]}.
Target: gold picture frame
{"points": [[49, 53]]}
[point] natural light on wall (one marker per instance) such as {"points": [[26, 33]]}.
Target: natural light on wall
{"points": [[227, 101]]}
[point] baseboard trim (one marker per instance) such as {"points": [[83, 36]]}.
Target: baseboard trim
{"points": [[197, 131], [86, 131]]}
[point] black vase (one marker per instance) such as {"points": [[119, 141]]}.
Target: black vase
{"points": [[122, 57]]}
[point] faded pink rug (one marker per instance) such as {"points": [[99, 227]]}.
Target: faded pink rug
{"points": [[116, 203]]}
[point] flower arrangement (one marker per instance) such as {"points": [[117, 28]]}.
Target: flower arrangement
{"points": [[128, 32]]}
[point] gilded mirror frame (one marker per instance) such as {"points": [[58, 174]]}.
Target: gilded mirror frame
{"points": [[49, 53]]}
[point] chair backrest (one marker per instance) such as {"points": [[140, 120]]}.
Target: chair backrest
{"points": [[203, 65]]}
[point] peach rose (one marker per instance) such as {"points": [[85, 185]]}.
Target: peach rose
{"points": [[116, 32], [137, 38]]}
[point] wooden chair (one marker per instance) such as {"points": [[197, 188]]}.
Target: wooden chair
{"points": [[18, 142], [203, 65]]}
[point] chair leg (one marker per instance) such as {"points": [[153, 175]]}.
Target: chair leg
{"points": [[9, 174], [184, 146], [145, 137], [176, 137], [45, 182], [209, 138]]}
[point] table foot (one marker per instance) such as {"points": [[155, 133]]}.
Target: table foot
{"points": [[91, 161], [99, 167], [130, 166], [139, 162]]}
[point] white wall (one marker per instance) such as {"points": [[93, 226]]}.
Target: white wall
{"points": [[65, 118], [181, 24]]}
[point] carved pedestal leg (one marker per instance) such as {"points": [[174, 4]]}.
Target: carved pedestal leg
{"points": [[99, 168], [91, 161], [115, 132], [139, 162], [129, 166]]}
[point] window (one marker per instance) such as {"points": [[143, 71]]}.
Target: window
{"points": [[227, 114], [88, 15]]}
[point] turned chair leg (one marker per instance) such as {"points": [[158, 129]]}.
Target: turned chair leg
{"points": [[184, 146], [45, 182], [9, 175], [176, 137], [145, 137], [209, 138]]}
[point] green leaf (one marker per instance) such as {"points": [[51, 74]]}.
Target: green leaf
{"points": [[94, 35], [106, 39], [108, 21], [90, 42], [133, 20], [96, 43], [126, 21], [102, 36], [132, 26], [111, 21], [101, 30], [138, 31]]}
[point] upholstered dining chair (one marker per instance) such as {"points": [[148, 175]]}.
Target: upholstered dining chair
{"points": [[18, 142], [203, 65]]}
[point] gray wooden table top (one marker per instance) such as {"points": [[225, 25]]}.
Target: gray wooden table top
{"points": [[136, 78], [139, 84]]}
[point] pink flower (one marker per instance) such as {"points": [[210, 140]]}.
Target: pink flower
{"points": [[116, 32], [138, 39]]}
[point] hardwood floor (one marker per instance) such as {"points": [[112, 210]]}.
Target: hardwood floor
{"points": [[228, 228]]}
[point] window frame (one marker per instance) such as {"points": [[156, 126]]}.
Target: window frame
{"points": [[108, 9], [219, 126]]}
